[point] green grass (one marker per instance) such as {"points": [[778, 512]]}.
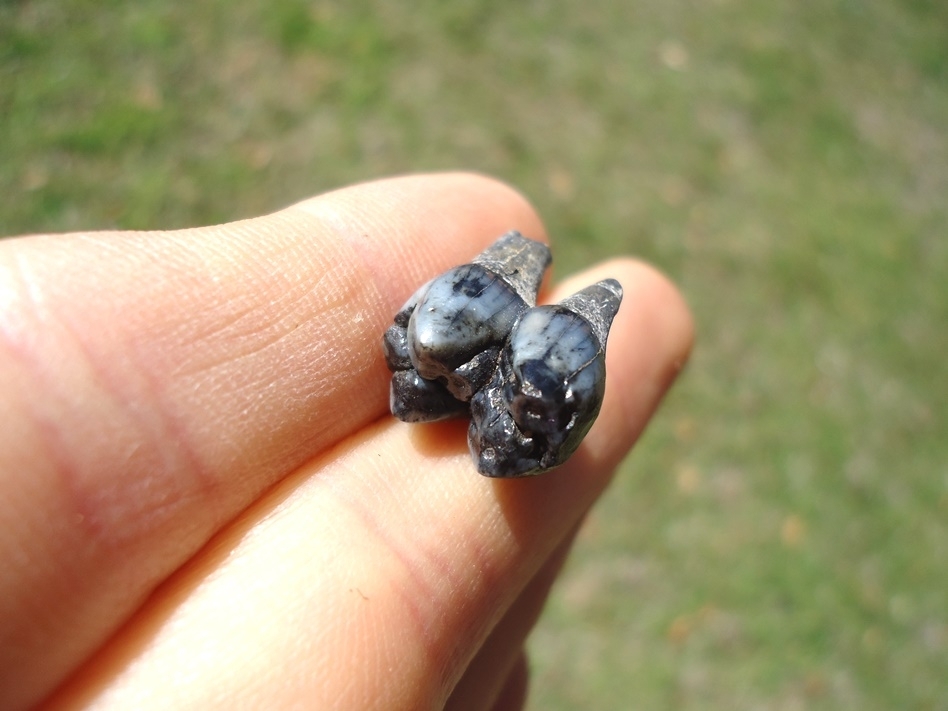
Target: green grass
{"points": [[779, 539]]}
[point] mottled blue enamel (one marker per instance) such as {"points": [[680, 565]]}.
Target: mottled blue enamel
{"points": [[558, 368], [451, 330], [463, 312]]}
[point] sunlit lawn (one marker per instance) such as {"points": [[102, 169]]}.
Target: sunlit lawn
{"points": [[779, 540]]}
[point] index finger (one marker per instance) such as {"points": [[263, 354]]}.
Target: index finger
{"points": [[156, 383]]}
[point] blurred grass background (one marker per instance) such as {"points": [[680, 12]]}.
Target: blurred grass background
{"points": [[779, 539]]}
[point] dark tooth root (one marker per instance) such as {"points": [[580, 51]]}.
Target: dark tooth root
{"points": [[414, 399]]}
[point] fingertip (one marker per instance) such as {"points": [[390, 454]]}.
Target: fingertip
{"points": [[670, 320], [446, 206]]}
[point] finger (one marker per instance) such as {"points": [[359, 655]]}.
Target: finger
{"points": [[155, 383], [372, 577], [486, 679], [513, 695]]}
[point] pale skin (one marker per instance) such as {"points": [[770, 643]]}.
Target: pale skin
{"points": [[203, 500]]}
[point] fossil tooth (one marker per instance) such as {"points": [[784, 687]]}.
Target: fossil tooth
{"points": [[547, 389], [531, 377]]}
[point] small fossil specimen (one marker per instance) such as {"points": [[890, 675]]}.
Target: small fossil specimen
{"points": [[531, 377]]}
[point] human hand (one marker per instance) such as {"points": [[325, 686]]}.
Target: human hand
{"points": [[204, 502]]}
